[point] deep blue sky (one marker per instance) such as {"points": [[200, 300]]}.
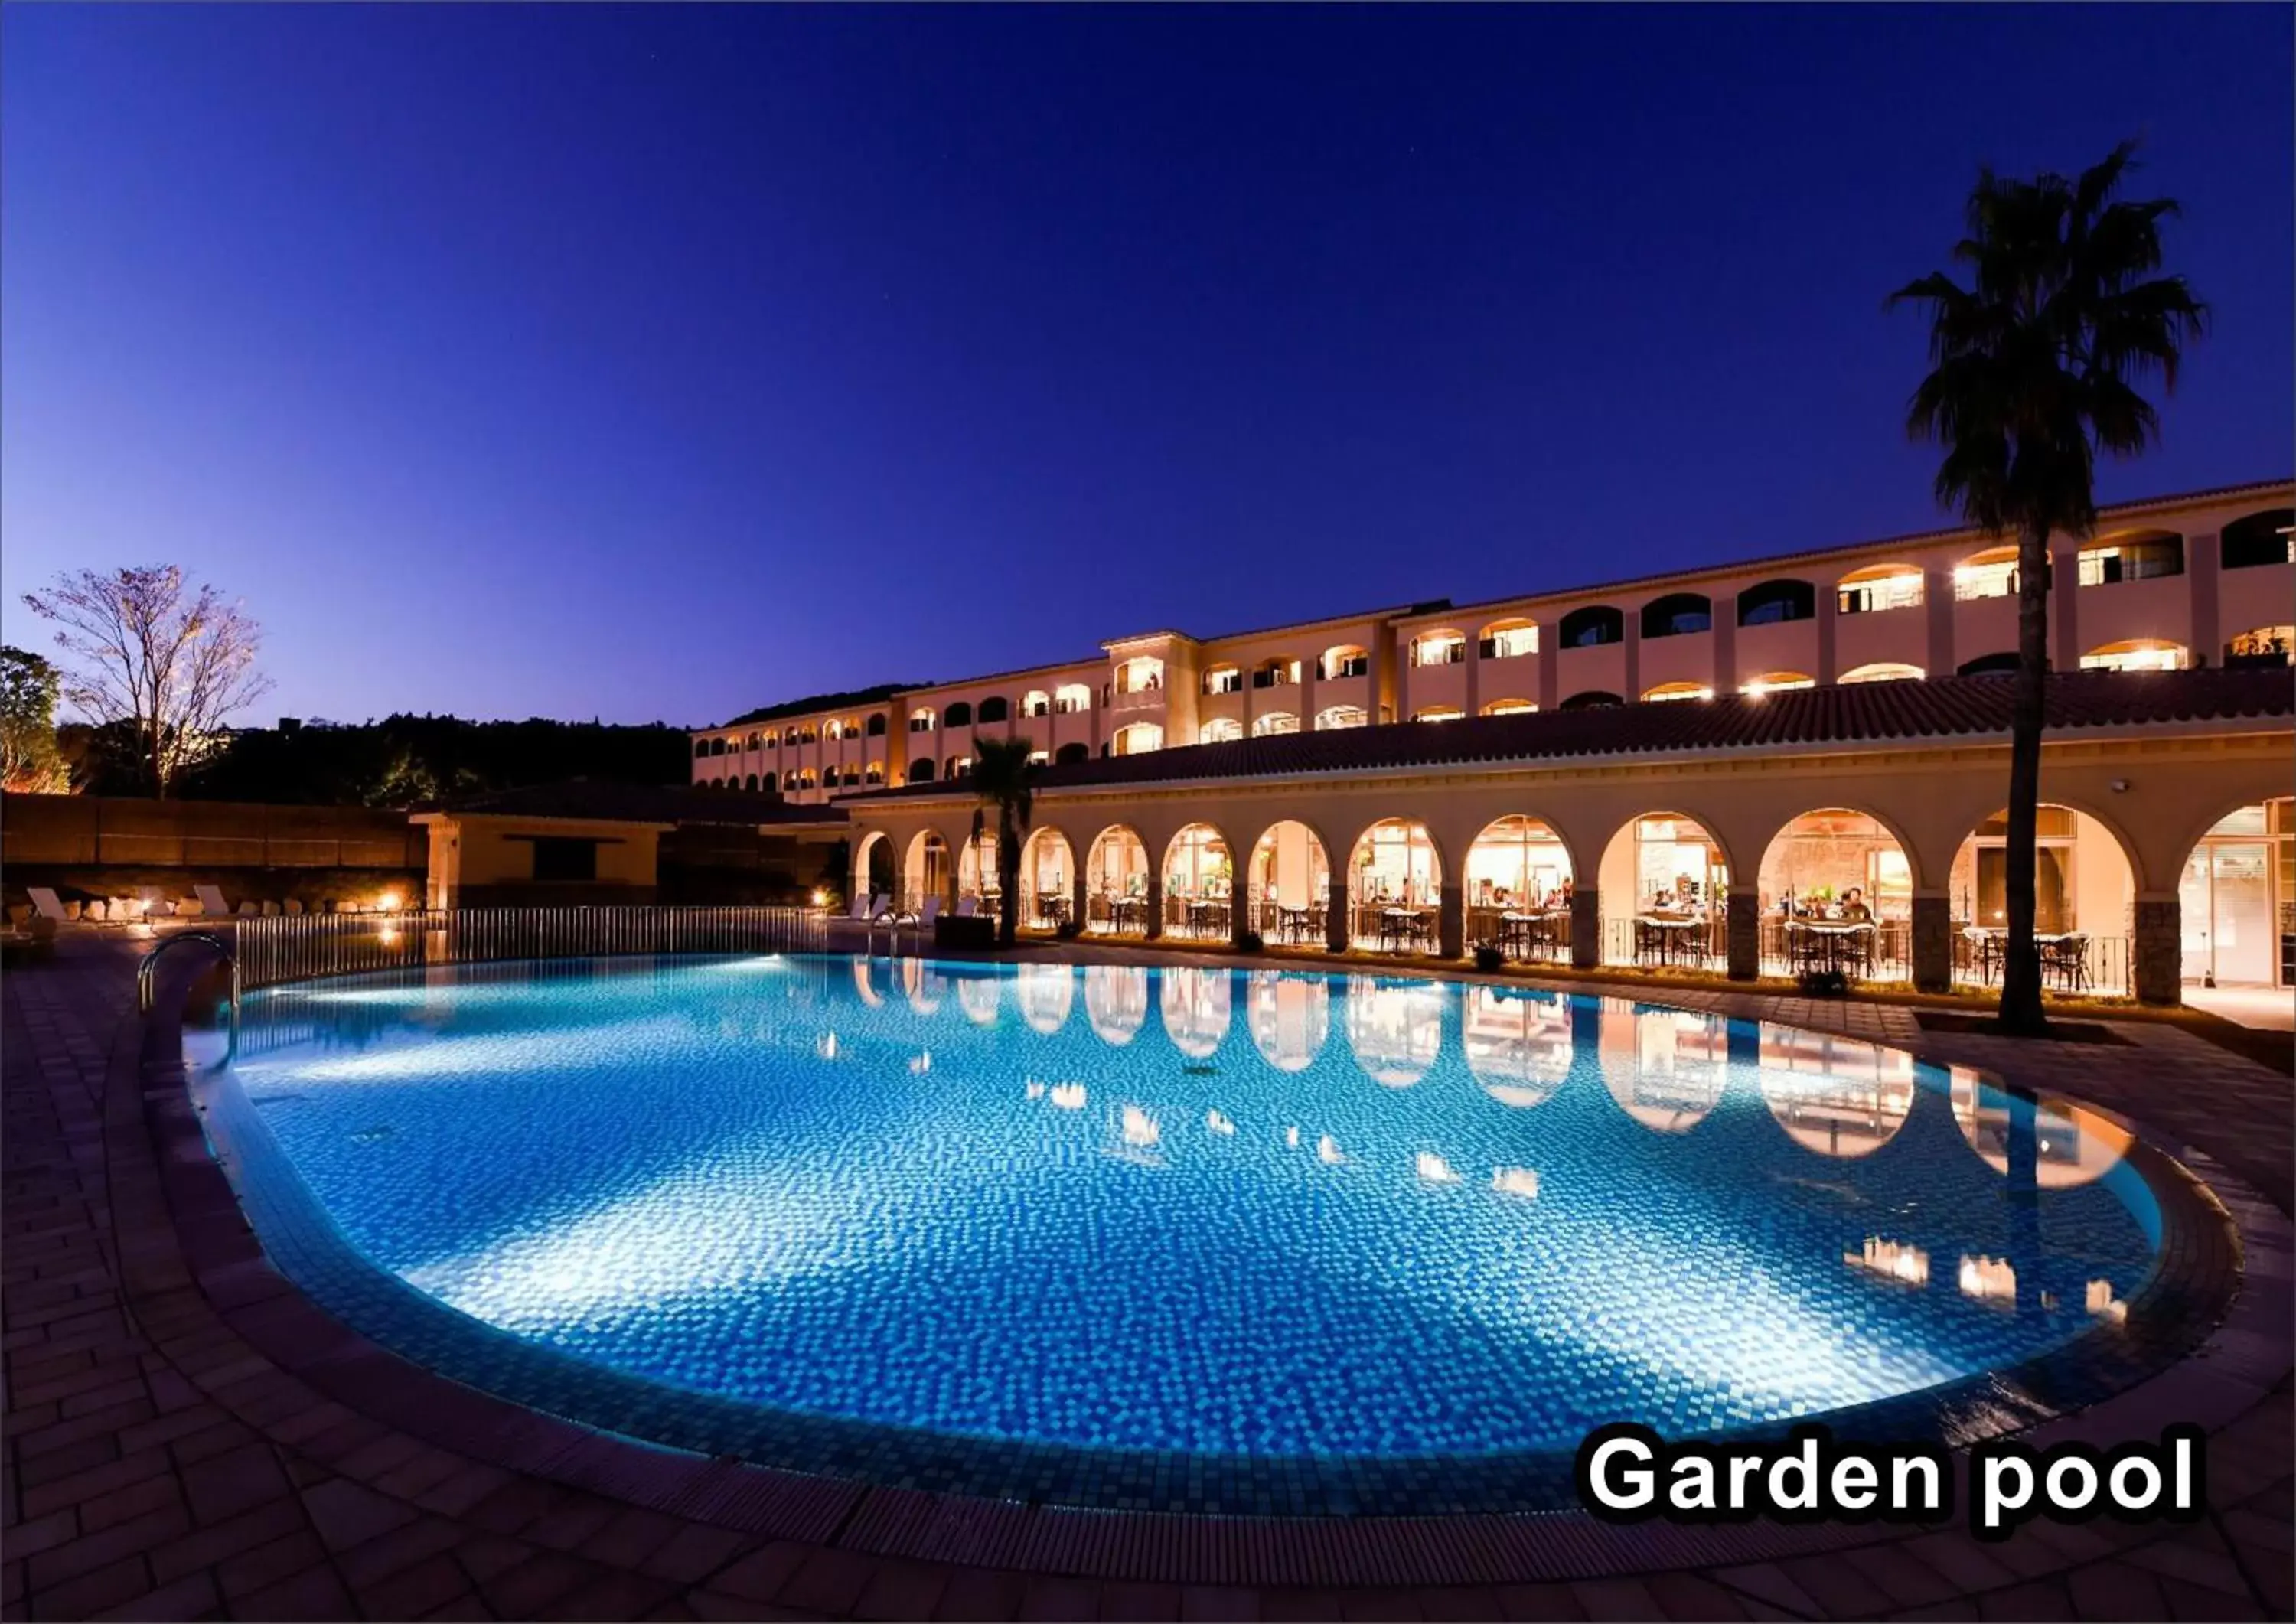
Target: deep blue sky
{"points": [[662, 363]]}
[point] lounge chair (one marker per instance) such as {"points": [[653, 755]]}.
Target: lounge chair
{"points": [[967, 906], [46, 904], [865, 908], [212, 900]]}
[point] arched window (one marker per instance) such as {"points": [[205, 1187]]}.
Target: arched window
{"points": [[1593, 627], [875, 774], [789, 734], [1036, 702], [1073, 699], [1437, 713], [1885, 670], [1511, 707], [1438, 648], [752, 784], [1340, 715], [805, 734], [1676, 690], [921, 770], [959, 767], [1989, 665], [1068, 755], [1138, 738], [1223, 679], [2138, 654], [1678, 614], [1989, 574], [717, 747], [2266, 645], [959, 715], [1508, 639], [1775, 603], [1274, 722], [1345, 659], [2260, 538], [921, 721], [833, 730], [757, 741], [1140, 673], [1878, 588], [1219, 730], [1776, 682], [701, 749], [853, 777], [2139, 555], [1592, 699], [789, 779], [876, 724], [995, 708], [1276, 672]]}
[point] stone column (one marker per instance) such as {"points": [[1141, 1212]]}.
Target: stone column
{"points": [[1078, 897], [1746, 933], [1239, 906], [1335, 913], [1932, 943], [1586, 928], [1155, 901], [1937, 611], [2157, 952], [1451, 920]]}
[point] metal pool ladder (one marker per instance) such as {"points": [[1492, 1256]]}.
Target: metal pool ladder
{"points": [[144, 977]]}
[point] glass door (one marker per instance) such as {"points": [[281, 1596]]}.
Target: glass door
{"points": [[2225, 896]]}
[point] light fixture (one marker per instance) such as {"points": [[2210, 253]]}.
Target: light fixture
{"points": [[389, 902]]}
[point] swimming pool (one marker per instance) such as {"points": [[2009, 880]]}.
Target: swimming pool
{"points": [[1196, 1238]]}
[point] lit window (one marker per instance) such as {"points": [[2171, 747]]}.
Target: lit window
{"points": [[1510, 706], [1346, 660], [2135, 558], [2266, 645], [1437, 713], [2137, 654], [1884, 671], [921, 721], [1138, 738], [1508, 639], [1276, 672], [1035, 702], [1667, 691], [1224, 679], [1776, 681], [1988, 575], [1341, 716], [1275, 722], [1219, 730], [1443, 648], [1879, 589], [1071, 698]]}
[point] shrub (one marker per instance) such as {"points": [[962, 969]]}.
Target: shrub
{"points": [[1822, 984], [1488, 958], [1067, 929], [1249, 942]]}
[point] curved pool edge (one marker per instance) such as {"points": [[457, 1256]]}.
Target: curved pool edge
{"points": [[2226, 1371]]}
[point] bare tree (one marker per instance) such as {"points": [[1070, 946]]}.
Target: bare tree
{"points": [[168, 661]]}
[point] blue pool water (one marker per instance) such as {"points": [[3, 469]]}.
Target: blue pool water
{"points": [[1255, 1217]]}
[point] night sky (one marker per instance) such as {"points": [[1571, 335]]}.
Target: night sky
{"points": [[661, 364]]}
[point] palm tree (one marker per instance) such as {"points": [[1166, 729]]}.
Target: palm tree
{"points": [[1001, 775], [2034, 371]]}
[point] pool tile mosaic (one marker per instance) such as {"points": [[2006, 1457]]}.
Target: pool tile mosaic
{"points": [[1191, 1239]]}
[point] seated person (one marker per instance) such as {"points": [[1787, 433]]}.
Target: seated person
{"points": [[1854, 909]]}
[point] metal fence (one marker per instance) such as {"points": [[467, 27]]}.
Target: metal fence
{"points": [[285, 947]]}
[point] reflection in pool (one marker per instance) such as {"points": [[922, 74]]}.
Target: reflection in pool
{"points": [[1213, 1211]]}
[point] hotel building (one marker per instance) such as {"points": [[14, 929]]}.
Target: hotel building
{"points": [[1379, 855]]}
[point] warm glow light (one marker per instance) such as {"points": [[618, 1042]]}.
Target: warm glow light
{"points": [[820, 898], [1894, 1260], [389, 902], [1989, 1279], [2101, 1301]]}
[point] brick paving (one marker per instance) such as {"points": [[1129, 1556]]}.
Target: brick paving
{"points": [[157, 1464]]}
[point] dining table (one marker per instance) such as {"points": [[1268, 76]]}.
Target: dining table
{"points": [[1295, 924], [1405, 927], [1669, 939], [1847, 945], [1208, 915]]}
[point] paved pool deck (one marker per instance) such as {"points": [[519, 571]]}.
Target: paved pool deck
{"points": [[187, 1437]]}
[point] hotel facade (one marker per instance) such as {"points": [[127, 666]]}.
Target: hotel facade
{"points": [[1567, 712]]}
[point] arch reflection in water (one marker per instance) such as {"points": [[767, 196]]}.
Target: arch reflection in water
{"points": [[1667, 1068], [1291, 1016], [1116, 1000], [2073, 1145], [1396, 1027], [1835, 1096], [922, 984], [1047, 992], [1196, 1010], [981, 996], [1518, 1043]]}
